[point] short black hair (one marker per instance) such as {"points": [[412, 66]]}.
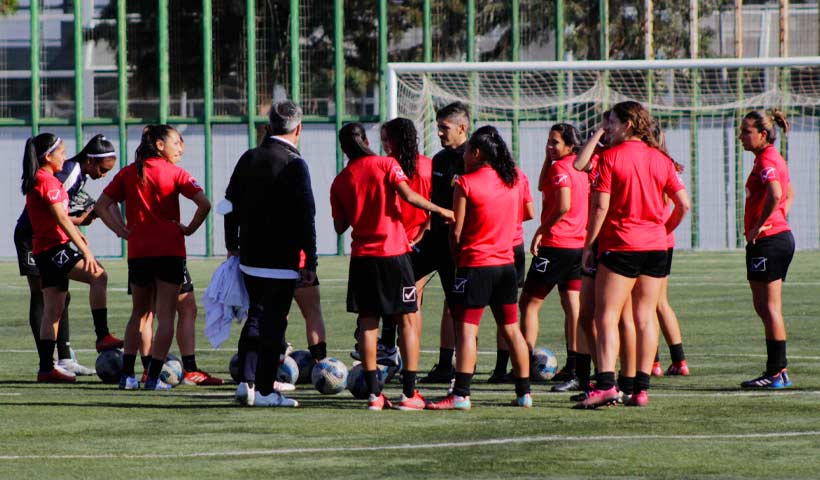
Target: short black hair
{"points": [[284, 117], [452, 110]]}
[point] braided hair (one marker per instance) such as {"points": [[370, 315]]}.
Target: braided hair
{"points": [[495, 153], [403, 135]]}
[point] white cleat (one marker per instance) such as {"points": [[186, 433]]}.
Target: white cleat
{"points": [[274, 399], [283, 386], [245, 394], [74, 367]]}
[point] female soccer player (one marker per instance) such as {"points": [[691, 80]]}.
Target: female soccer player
{"points": [[486, 203], [558, 243], [627, 219], [52, 230], [769, 240], [150, 188], [365, 197]]}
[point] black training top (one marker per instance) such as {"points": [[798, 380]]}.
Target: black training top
{"points": [[448, 165]]}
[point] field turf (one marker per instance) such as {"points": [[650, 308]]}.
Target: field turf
{"points": [[700, 426]]}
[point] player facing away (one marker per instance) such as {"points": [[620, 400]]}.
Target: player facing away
{"points": [[150, 188], [769, 240], [271, 222], [486, 203], [57, 262], [94, 161], [627, 217], [365, 197]]}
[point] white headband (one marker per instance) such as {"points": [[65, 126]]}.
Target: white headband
{"points": [[101, 155], [53, 147]]}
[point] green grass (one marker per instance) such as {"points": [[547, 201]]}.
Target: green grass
{"points": [[700, 426]]}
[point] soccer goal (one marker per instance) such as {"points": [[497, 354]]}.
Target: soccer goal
{"points": [[699, 103]]}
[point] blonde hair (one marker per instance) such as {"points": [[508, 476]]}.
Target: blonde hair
{"points": [[764, 122]]}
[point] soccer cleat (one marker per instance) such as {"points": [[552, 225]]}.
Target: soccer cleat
{"points": [[144, 377], [777, 381], [657, 371], [640, 399], [568, 386], [624, 397], [598, 398], [524, 401], [579, 397], [439, 374], [198, 377], [72, 366], [283, 386], [389, 357], [501, 377], [416, 402], [245, 394], [678, 368], [274, 399], [63, 371], [354, 354], [379, 403], [451, 402], [108, 342], [129, 383], [564, 375], [156, 384], [55, 375]]}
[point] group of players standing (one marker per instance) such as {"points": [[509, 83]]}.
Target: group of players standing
{"points": [[609, 210]]}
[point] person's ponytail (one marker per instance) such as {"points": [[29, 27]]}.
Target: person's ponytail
{"points": [[34, 153]]}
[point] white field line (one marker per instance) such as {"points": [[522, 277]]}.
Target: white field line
{"points": [[424, 446]]}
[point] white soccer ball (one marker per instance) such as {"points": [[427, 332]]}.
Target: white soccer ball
{"points": [[172, 372], [288, 371], [329, 376], [543, 365]]}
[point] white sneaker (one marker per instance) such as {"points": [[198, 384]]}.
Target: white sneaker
{"points": [[74, 367], [274, 399], [158, 385], [63, 370], [245, 394], [283, 386], [129, 383]]}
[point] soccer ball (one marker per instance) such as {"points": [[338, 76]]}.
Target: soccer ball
{"points": [[305, 362], [109, 366], [172, 372], [356, 384], [544, 364], [288, 371], [329, 376]]}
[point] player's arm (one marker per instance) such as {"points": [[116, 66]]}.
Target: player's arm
{"points": [[76, 237], [456, 229], [789, 199], [582, 159], [774, 194], [682, 206], [203, 207], [410, 196], [599, 206], [111, 217], [560, 206]]}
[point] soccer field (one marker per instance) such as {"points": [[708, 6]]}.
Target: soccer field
{"points": [[697, 426]]}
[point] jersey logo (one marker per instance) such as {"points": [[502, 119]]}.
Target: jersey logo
{"points": [[53, 195], [540, 264], [30, 259], [758, 264], [60, 259], [408, 295], [596, 179], [195, 184], [768, 173], [680, 179], [561, 179], [459, 284], [399, 172]]}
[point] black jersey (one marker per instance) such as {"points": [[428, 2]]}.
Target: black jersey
{"points": [[448, 164]]}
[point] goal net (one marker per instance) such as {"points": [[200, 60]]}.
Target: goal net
{"points": [[699, 104]]}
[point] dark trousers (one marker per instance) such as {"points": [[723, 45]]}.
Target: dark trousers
{"points": [[263, 334]]}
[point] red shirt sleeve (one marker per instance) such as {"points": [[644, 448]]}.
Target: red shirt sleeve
{"points": [[187, 184], [559, 177], [525, 188], [603, 176], [674, 182], [51, 191], [395, 174], [336, 202], [768, 169], [115, 189]]}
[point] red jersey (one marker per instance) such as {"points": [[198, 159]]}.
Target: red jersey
{"points": [[490, 220], [670, 238], [152, 206], [411, 217], [46, 232], [769, 167], [571, 230], [525, 196], [365, 196], [636, 176]]}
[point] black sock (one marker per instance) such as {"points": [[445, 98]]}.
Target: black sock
{"points": [[462, 386], [318, 351], [776, 353], [641, 382], [408, 380], [626, 384], [372, 381], [676, 352], [522, 386], [189, 363], [128, 362], [63, 333], [502, 357], [604, 380], [146, 361], [45, 348], [154, 368], [445, 357], [583, 366], [657, 355], [572, 357], [100, 316], [388, 338]]}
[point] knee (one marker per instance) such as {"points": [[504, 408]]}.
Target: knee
{"points": [[101, 278]]}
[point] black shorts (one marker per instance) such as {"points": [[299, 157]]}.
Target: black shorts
{"points": [[768, 259], [591, 272], [520, 264], [553, 266], [25, 259], [669, 261], [187, 282], [477, 287], [144, 271], [55, 264], [651, 263], [381, 286], [432, 254]]}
